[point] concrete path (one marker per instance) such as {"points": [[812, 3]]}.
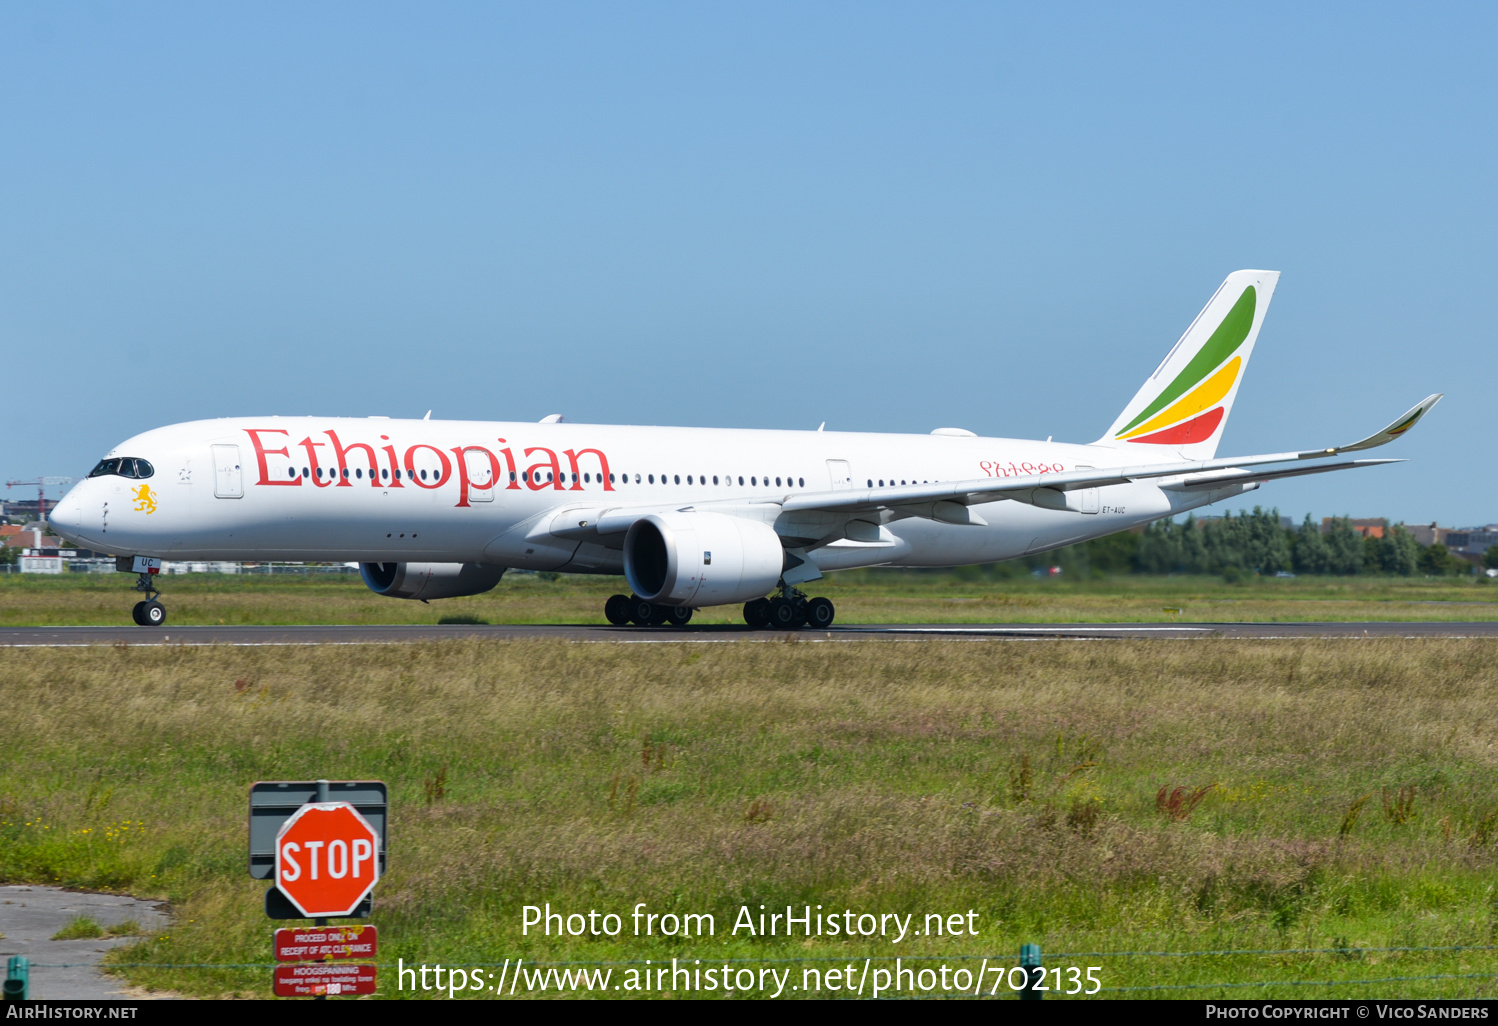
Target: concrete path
{"points": [[30, 916]]}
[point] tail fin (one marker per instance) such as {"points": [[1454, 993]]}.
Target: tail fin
{"points": [[1184, 406]]}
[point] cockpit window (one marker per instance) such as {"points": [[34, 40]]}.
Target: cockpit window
{"points": [[123, 466]]}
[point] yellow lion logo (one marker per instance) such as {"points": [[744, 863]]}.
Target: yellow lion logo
{"points": [[145, 500]]}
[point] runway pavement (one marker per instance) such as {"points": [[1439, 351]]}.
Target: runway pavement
{"points": [[62, 637]]}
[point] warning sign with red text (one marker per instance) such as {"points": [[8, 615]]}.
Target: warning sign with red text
{"points": [[319, 942], [324, 980]]}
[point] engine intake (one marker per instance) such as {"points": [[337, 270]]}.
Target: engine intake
{"points": [[429, 580], [701, 559]]}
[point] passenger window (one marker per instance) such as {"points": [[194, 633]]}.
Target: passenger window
{"points": [[359, 473], [689, 479], [741, 479], [423, 475], [652, 479], [678, 479], [800, 482], [715, 479]]}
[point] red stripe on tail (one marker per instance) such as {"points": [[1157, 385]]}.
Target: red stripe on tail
{"points": [[1198, 429]]}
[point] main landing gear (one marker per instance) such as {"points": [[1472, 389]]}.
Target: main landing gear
{"points": [[622, 610], [148, 612], [788, 609]]}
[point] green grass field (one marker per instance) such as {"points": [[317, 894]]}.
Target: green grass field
{"points": [[868, 596], [1345, 798]]}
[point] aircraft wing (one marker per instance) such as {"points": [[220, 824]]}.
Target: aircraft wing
{"points": [[947, 501], [1023, 488]]}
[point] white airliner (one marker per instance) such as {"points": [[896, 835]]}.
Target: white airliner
{"points": [[692, 517]]}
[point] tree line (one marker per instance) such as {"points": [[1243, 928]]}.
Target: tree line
{"points": [[1250, 543]]}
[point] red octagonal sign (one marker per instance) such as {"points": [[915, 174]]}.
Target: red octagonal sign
{"points": [[326, 859]]}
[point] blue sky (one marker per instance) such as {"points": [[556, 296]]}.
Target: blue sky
{"points": [[887, 217]]}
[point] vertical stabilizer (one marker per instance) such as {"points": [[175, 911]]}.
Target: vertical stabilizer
{"points": [[1184, 406]]}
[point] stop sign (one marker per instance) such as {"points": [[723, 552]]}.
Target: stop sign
{"points": [[326, 859]]}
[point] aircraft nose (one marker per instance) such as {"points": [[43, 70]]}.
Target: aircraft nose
{"points": [[66, 518]]}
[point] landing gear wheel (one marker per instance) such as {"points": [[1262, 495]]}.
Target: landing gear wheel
{"points": [[616, 610], [757, 613], [678, 616], [784, 614], [641, 612], [819, 612], [148, 612]]}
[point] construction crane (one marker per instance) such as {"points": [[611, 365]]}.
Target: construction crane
{"points": [[41, 484]]}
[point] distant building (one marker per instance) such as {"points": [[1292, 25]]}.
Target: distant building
{"points": [[1288, 523], [1429, 534], [24, 509], [1371, 527], [31, 536], [1472, 542]]}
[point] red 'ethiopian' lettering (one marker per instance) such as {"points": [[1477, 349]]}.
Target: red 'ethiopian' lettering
{"points": [[542, 474], [314, 472], [461, 453], [510, 461], [343, 451], [261, 452], [603, 473], [447, 467], [534, 480], [395, 466]]}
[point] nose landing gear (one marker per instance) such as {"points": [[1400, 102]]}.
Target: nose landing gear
{"points": [[148, 612]]}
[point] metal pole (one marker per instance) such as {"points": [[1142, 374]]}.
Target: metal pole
{"points": [[1029, 960], [322, 796]]}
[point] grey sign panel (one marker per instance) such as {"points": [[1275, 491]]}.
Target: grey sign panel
{"points": [[273, 802]]}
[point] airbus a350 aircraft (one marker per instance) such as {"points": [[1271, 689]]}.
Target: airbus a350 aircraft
{"points": [[692, 517]]}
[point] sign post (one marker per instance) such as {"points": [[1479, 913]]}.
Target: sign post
{"points": [[324, 845]]}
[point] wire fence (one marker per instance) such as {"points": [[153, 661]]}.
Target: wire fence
{"points": [[998, 990], [1052, 956]]}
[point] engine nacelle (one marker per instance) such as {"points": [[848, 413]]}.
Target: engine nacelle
{"points": [[429, 580], [701, 559]]}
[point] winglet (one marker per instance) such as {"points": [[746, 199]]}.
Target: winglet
{"points": [[1394, 430]]}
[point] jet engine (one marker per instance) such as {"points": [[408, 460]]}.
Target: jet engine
{"points": [[429, 580], [701, 559]]}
